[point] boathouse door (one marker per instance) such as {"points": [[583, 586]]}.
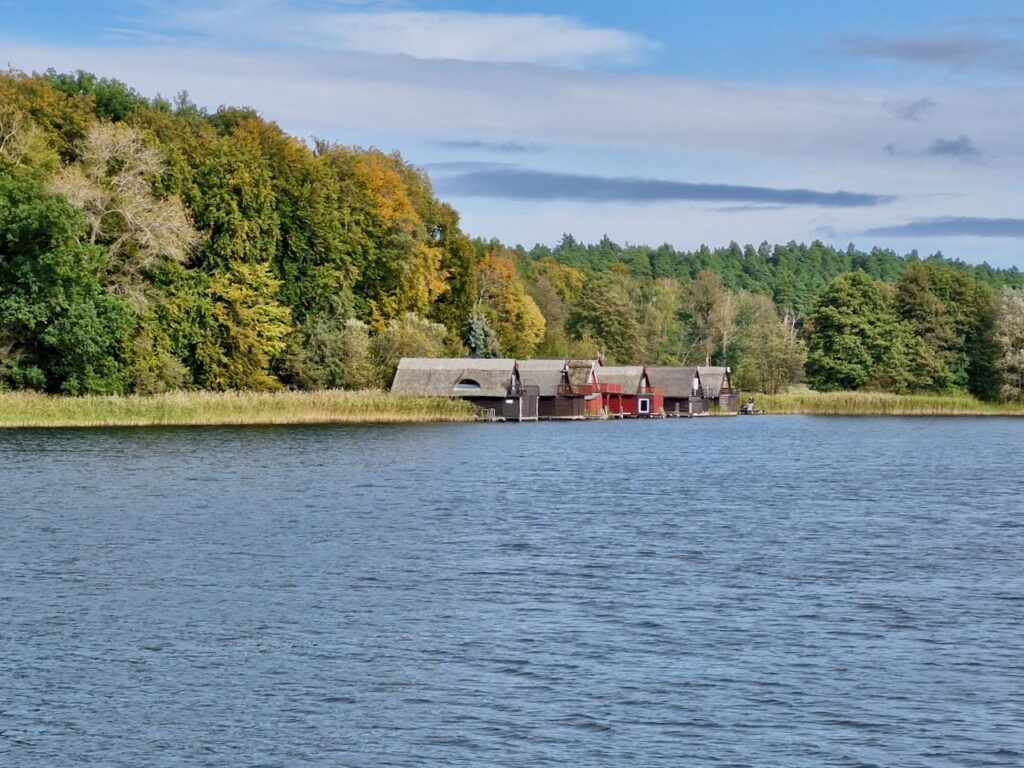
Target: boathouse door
{"points": [[529, 400]]}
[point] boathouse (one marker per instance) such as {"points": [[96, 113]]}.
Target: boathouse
{"points": [[493, 385], [718, 393], [583, 381], [628, 392], [681, 386], [557, 399]]}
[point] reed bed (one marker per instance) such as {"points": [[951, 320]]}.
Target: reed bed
{"points": [[27, 409], [881, 404]]}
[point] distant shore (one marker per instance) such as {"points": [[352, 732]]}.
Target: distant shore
{"points": [[811, 403], [26, 409], [31, 410]]}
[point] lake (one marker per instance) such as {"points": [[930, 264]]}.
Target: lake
{"points": [[772, 591]]}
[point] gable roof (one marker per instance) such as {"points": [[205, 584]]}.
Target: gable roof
{"points": [[548, 375], [439, 376], [712, 378], [675, 380], [631, 377], [581, 372]]}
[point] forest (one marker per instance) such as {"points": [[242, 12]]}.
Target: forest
{"points": [[149, 245]]}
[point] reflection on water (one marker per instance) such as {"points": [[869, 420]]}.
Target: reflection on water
{"points": [[771, 591]]}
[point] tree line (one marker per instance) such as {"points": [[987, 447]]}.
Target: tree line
{"points": [[148, 245]]}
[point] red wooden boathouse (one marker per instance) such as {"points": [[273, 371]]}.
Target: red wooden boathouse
{"points": [[627, 392]]}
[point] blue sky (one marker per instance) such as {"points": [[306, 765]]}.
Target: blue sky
{"points": [[891, 124]]}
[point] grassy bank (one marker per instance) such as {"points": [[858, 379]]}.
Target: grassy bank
{"points": [[24, 409], [880, 404]]}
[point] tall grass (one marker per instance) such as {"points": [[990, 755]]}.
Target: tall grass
{"points": [[805, 401], [26, 409]]}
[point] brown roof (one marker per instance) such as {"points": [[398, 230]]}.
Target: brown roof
{"points": [[712, 378], [546, 374], [631, 377], [676, 380], [441, 376]]}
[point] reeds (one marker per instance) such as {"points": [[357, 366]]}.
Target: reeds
{"points": [[805, 401], [29, 409]]}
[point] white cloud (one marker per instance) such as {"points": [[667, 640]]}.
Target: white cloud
{"points": [[551, 40], [611, 124], [383, 30]]}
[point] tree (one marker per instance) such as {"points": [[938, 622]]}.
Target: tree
{"points": [[315, 255], [771, 355], [660, 310], [712, 309], [481, 338], [508, 309], [459, 264], [402, 271], [62, 118], [233, 202], [855, 339], [113, 99], [605, 317], [1008, 334], [251, 329], [408, 336], [110, 186], [325, 354], [23, 146], [60, 329]]}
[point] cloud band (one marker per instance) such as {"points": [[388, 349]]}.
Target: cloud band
{"points": [[519, 184]]}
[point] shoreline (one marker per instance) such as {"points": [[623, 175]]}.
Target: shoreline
{"points": [[31, 410], [810, 403]]}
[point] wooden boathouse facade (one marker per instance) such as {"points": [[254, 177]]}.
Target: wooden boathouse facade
{"points": [[583, 381], [529, 390], [681, 386], [557, 397], [627, 392], [493, 385], [717, 390]]}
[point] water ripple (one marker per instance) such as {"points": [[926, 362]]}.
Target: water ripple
{"points": [[747, 592]]}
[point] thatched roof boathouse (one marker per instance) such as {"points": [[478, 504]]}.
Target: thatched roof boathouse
{"points": [[558, 398], [628, 392], [493, 385], [716, 386], [570, 389], [682, 388]]}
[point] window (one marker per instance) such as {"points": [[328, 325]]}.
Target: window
{"points": [[467, 385], [644, 405]]}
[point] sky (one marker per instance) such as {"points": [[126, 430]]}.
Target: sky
{"points": [[882, 124]]}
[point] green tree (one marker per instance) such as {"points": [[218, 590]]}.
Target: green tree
{"points": [[408, 336], [331, 355], [855, 339], [605, 317], [937, 342], [481, 338], [771, 355], [315, 256], [61, 329], [712, 309], [233, 204], [661, 306]]}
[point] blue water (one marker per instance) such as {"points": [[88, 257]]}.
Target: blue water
{"points": [[776, 591]]}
